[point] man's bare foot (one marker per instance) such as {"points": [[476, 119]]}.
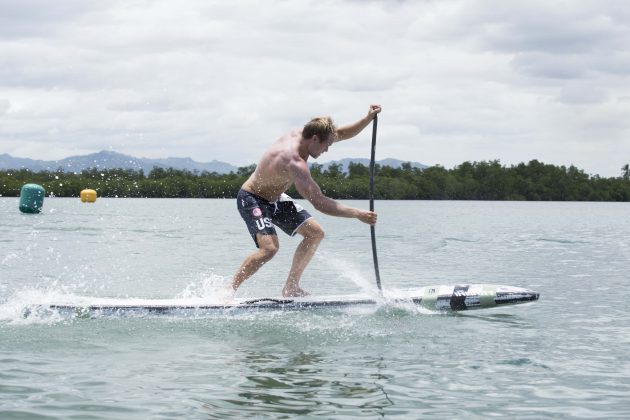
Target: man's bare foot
{"points": [[294, 292], [228, 294]]}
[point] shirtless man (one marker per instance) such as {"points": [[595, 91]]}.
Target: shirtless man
{"points": [[262, 202]]}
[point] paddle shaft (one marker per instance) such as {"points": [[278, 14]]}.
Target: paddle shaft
{"points": [[372, 231]]}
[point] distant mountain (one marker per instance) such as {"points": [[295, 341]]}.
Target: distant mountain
{"points": [[114, 160], [10, 162]]}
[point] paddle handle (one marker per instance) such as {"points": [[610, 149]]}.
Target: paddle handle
{"points": [[372, 230]]}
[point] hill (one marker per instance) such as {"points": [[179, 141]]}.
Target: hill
{"points": [[113, 160]]}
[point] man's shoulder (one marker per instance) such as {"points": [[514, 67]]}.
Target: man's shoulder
{"points": [[287, 150], [291, 136], [296, 162]]}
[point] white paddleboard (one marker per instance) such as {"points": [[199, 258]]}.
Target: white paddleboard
{"points": [[439, 298]]}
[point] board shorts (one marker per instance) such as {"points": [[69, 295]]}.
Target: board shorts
{"points": [[261, 215]]}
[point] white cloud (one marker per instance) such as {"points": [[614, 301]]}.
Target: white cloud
{"points": [[459, 80]]}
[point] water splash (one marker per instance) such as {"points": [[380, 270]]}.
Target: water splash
{"points": [[350, 271], [209, 287], [387, 301], [28, 306]]}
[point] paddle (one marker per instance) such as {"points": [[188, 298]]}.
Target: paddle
{"points": [[372, 231]]}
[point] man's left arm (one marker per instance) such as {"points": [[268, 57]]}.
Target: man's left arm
{"points": [[351, 130]]}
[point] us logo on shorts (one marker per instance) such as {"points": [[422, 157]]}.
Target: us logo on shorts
{"points": [[257, 212]]}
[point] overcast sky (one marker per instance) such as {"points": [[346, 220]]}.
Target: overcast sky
{"points": [[458, 80]]}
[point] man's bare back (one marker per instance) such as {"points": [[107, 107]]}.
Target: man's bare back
{"points": [[272, 176]]}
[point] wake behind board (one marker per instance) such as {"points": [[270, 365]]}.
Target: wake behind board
{"points": [[438, 298]]}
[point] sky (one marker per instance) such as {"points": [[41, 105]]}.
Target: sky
{"points": [[458, 80]]}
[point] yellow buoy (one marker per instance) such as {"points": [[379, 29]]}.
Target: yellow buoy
{"points": [[88, 196]]}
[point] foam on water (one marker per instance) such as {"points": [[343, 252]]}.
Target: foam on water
{"points": [[386, 300], [24, 306], [350, 271], [28, 301], [208, 287], [29, 306]]}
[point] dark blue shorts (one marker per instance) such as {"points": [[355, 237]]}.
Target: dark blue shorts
{"points": [[260, 215]]}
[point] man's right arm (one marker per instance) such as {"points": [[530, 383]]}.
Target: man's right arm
{"points": [[348, 131], [309, 189]]}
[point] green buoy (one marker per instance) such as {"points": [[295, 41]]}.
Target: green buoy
{"points": [[32, 198]]}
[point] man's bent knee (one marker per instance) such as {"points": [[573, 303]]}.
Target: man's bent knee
{"points": [[268, 253], [268, 246], [317, 234], [312, 230]]}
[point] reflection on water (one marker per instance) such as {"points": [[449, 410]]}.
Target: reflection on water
{"points": [[294, 385]]}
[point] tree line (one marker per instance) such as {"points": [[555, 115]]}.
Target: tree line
{"points": [[485, 180]]}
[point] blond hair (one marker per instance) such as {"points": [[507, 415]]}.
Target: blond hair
{"points": [[322, 127]]}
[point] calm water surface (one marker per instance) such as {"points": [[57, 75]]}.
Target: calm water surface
{"points": [[565, 356]]}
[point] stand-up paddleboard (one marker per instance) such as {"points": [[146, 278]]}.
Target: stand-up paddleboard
{"points": [[438, 298]]}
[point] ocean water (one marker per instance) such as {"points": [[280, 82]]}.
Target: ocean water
{"points": [[565, 356]]}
